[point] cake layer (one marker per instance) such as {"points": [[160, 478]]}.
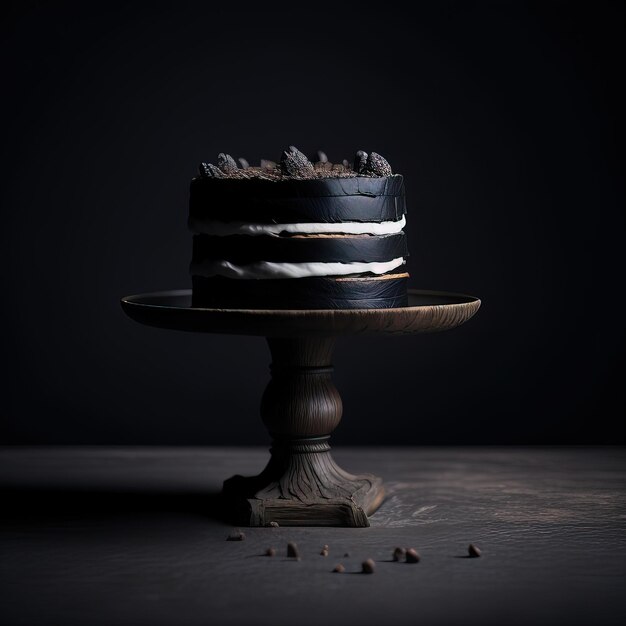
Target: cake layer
{"points": [[386, 291], [359, 199], [242, 249], [264, 270], [224, 229]]}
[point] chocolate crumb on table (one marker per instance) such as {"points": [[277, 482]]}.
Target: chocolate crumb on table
{"points": [[236, 535], [368, 566], [292, 550], [398, 554], [473, 551], [412, 556]]}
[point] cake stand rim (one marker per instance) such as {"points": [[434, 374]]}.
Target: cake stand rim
{"points": [[303, 322]]}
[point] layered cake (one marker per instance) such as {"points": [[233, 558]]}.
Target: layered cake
{"points": [[298, 234]]}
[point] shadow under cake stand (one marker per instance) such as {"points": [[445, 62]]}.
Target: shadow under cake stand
{"points": [[302, 485]]}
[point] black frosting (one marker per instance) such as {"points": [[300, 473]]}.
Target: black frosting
{"points": [[243, 249], [296, 200], [326, 200], [303, 293]]}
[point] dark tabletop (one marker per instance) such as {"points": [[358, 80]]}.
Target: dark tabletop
{"points": [[132, 536]]}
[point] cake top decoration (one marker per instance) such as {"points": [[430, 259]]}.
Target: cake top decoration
{"points": [[226, 163], [360, 161], [296, 165]]}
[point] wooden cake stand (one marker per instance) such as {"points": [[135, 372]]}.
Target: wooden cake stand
{"points": [[302, 485]]}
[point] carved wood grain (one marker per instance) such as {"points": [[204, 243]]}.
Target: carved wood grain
{"points": [[301, 400], [302, 484]]}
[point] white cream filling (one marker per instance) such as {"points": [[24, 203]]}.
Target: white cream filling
{"points": [[222, 229], [266, 269]]}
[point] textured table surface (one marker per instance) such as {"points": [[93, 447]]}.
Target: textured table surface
{"points": [[131, 536]]}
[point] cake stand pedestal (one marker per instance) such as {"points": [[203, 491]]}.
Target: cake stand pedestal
{"points": [[302, 485]]}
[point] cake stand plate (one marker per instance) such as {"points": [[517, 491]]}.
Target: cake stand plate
{"points": [[302, 485]]}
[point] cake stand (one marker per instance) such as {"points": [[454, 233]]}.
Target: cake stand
{"points": [[302, 485]]}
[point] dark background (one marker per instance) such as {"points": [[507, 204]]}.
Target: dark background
{"points": [[505, 118]]}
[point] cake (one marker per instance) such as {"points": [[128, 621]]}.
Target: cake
{"points": [[298, 234]]}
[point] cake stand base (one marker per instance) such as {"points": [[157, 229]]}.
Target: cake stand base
{"points": [[303, 486]]}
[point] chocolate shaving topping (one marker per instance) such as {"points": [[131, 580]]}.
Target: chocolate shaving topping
{"points": [[226, 163], [377, 165], [323, 166], [360, 161], [294, 163], [208, 170]]}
